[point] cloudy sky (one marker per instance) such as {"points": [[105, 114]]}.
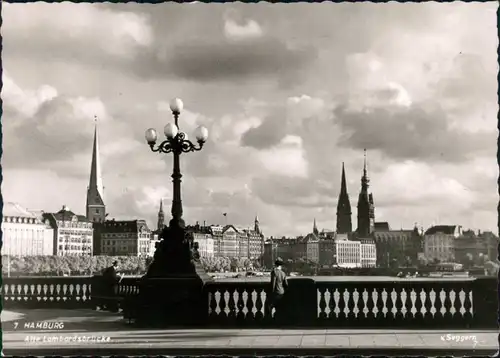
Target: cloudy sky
{"points": [[288, 93]]}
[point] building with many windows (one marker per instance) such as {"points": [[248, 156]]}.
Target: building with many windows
{"points": [[229, 241], [397, 248], [25, 233], [439, 242], [123, 238], [368, 256], [474, 249], [205, 244], [347, 253], [73, 234]]}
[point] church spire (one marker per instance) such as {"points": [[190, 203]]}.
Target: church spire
{"points": [[256, 226], [96, 209], [315, 228], [161, 217], [344, 223], [366, 208]]}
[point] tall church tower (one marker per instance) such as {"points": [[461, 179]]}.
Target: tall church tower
{"points": [[96, 209], [256, 226], [344, 220], [366, 208], [315, 228], [161, 217]]}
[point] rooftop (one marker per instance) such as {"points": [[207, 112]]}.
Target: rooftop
{"points": [[441, 229], [16, 210]]}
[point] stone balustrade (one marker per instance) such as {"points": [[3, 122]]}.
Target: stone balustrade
{"points": [[453, 303]]}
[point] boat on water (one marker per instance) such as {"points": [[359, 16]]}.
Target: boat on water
{"points": [[449, 270], [463, 274]]}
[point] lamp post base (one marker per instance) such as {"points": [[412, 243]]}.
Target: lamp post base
{"points": [[172, 293]]}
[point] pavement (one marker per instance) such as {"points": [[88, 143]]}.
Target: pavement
{"points": [[85, 332]]}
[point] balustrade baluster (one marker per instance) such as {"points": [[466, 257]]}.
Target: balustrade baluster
{"points": [[370, 305], [380, 304], [6, 293], [240, 305], [78, 294], [332, 305], [342, 317], [389, 304], [361, 305], [250, 305], [48, 293], [85, 293], [322, 302], [212, 302], [71, 294], [420, 296], [259, 304], [351, 316], [398, 304], [447, 304], [408, 304], [428, 305], [438, 305], [32, 298], [467, 304], [231, 305]]}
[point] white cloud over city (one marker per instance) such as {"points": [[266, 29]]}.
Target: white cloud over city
{"points": [[288, 93]]}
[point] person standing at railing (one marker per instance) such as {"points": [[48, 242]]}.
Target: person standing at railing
{"points": [[279, 285], [111, 280]]}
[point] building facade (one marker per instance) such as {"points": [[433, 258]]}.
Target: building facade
{"points": [[73, 234], [439, 242], [205, 244], [347, 252], [475, 249], [312, 247], [231, 241], [327, 251], [397, 248], [25, 233], [368, 253], [124, 238]]}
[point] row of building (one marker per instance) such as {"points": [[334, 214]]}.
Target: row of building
{"points": [[65, 233], [386, 247], [371, 244], [325, 248]]}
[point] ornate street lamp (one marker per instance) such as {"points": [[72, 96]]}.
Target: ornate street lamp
{"points": [[171, 292], [176, 251], [177, 143]]}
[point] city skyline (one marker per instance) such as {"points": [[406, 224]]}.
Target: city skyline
{"points": [[286, 101]]}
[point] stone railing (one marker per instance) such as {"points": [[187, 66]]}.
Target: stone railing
{"points": [[454, 303], [46, 292]]}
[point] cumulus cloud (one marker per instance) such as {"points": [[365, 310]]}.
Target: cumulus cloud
{"points": [[238, 28], [286, 158], [66, 31], [220, 60], [411, 133]]}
